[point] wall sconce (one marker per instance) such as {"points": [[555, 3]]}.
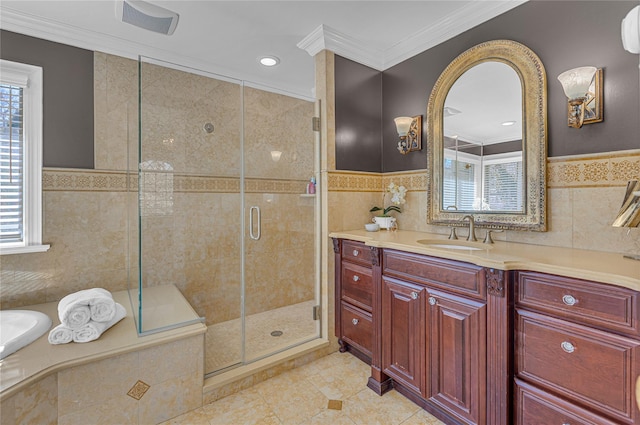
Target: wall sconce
{"points": [[275, 156], [583, 88], [410, 132]]}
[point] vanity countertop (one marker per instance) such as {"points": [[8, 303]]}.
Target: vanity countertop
{"points": [[598, 266]]}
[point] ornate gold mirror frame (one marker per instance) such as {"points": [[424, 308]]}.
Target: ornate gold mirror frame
{"points": [[534, 137]]}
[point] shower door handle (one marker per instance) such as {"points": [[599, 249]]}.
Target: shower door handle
{"points": [[255, 236]]}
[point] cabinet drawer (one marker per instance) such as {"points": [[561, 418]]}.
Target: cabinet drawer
{"points": [[586, 365], [357, 328], [536, 407], [357, 286], [356, 252], [596, 304], [462, 278]]}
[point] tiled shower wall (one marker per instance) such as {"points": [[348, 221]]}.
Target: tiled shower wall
{"points": [[584, 194], [89, 215]]}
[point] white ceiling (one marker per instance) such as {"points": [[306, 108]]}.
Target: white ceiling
{"points": [[227, 37]]}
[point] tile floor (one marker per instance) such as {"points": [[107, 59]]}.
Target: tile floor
{"points": [[331, 390], [224, 340]]}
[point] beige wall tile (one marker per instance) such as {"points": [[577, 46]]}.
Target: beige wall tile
{"points": [[90, 385], [37, 404], [116, 410], [183, 358], [171, 398]]}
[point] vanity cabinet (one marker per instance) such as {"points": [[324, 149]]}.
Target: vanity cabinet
{"points": [[354, 297], [433, 337], [577, 351], [404, 323]]}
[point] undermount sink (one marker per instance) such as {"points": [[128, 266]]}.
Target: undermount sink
{"points": [[455, 244], [19, 328]]}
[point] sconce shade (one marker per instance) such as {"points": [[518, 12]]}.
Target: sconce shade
{"points": [[629, 214], [576, 82], [403, 124], [631, 31]]}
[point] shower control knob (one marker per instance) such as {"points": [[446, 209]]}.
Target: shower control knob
{"points": [[356, 278], [356, 252], [354, 321]]}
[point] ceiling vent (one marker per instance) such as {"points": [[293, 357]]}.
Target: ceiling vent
{"points": [[146, 15]]}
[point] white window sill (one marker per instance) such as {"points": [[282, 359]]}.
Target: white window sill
{"points": [[23, 249]]}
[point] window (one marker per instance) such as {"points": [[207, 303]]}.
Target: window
{"points": [[503, 188], [460, 181], [20, 158]]}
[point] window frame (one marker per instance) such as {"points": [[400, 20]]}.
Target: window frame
{"points": [[30, 78]]}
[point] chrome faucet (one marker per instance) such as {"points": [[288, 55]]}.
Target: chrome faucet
{"points": [[472, 228]]}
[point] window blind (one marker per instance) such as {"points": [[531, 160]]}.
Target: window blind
{"points": [[459, 187], [11, 163], [503, 186]]}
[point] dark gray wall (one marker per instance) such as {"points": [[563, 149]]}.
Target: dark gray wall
{"points": [[68, 96], [358, 116], [565, 35]]}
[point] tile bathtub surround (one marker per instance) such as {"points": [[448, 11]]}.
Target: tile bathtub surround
{"points": [[309, 395]]}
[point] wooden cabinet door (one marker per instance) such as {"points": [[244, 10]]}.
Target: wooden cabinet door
{"points": [[457, 345], [403, 324]]}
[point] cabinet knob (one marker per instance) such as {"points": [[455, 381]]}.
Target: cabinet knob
{"points": [[356, 278], [432, 301], [354, 321], [356, 252], [568, 347], [414, 295], [569, 300]]}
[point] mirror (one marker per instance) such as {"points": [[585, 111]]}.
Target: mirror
{"points": [[488, 139]]}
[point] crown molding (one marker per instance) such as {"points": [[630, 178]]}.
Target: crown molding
{"points": [[451, 25], [327, 38], [15, 21], [472, 15]]}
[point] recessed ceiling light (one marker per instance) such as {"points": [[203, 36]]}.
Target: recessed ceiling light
{"points": [[269, 60], [508, 123]]}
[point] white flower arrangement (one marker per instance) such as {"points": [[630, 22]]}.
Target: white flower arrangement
{"points": [[398, 194]]}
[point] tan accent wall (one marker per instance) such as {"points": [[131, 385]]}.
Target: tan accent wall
{"points": [[584, 195]]}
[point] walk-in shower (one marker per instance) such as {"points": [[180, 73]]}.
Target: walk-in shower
{"points": [[223, 210]]}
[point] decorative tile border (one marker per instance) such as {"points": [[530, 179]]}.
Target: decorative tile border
{"points": [[415, 180], [75, 180], [597, 170], [60, 179], [352, 181]]}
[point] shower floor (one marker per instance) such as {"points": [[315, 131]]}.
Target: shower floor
{"points": [[224, 340]]}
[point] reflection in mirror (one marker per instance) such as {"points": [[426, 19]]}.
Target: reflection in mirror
{"points": [[483, 141], [487, 139]]}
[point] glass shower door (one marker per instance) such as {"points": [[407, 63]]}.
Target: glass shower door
{"points": [[190, 206], [223, 213], [281, 257]]}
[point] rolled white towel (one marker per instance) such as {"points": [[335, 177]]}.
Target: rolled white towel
{"points": [[92, 330], [61, 334], [77, 309]]}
